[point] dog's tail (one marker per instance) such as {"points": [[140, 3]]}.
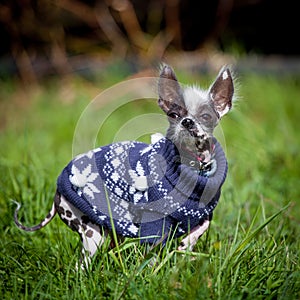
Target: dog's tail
{"points": [[48, 218]]}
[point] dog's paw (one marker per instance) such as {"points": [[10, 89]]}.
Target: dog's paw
{"points": [[185, 245]]}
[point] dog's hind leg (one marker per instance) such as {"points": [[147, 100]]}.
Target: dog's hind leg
{"points": [[92, 238], [90, 233]]}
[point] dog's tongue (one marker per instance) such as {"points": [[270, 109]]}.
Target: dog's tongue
{"points": [[205, 156]]}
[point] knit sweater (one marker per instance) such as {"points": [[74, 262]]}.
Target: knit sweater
{"points": [[143, 188]]}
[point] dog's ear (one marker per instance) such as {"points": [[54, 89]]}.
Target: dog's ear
{"points": [[169, 90], [221, 92]]}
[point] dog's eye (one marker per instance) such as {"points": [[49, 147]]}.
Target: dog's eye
{"points": [[206, 117], [173, 115]]}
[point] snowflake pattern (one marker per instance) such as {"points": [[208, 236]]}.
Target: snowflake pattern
{"points": [[128, 173], [84, 180]]}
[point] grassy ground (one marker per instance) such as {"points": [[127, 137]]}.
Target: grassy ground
{"points": [[251, 250]]}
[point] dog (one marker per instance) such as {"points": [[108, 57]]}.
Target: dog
{"points": [[157, 191]]}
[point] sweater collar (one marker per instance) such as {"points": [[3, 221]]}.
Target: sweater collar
{"points": [[183, 177], [203, 164]]}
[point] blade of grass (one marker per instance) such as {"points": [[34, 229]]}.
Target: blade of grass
{"points": [[119, 261], [237, 251], [257, 231]]}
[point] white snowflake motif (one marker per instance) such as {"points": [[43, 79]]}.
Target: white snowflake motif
{"points": [[115, 176], [132, 228], [84, 180], [116, 162]]}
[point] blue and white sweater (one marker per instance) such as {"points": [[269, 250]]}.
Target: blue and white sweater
{"points": [[144, 189]]}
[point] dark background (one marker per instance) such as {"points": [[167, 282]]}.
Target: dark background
{"points": [[49, 37]]}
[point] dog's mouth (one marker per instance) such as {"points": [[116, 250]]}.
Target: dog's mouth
{"points": [[194, 143], [203, 144], [205, 149], [198, 151]]}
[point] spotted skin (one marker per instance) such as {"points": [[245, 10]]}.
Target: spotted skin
{"points": [[92, 235]]}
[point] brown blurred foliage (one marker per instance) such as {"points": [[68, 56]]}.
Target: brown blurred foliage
{"points": [[55, 36]]}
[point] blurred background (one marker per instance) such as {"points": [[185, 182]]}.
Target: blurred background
{"points": [[58, 37]]}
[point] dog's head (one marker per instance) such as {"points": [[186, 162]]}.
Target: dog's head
{"points": [[192, 112]]}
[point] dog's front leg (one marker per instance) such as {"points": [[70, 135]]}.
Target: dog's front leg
{"points": [[191, 239]]}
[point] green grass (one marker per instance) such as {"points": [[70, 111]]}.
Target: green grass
{"points": [[251, 250]]}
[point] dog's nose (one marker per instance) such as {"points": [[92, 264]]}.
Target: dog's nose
{"points": [[188, 123]]}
